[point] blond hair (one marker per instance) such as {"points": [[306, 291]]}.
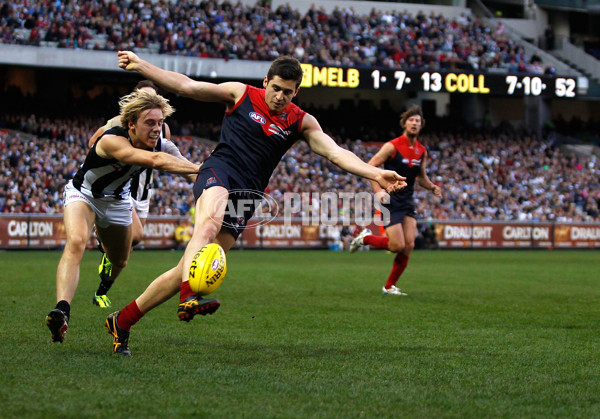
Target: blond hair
{"points": [[132, 105]]}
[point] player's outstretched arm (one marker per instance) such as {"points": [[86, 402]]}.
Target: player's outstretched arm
{"points": [[324, 145], [116, 147], [382, 155], [176, 82], [169, 147]]}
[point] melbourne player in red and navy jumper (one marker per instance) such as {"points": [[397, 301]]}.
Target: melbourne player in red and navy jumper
{"points": [[253, 141], [259, 126], [408, 157], [406, 160]]}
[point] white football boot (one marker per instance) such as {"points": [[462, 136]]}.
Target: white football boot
{"points": [[359, 240], [393, 290]]}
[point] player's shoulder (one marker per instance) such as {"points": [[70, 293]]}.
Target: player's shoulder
{"points": [[119, 131], [420, 146], [397, 142], [113, 122], [238, 89]]}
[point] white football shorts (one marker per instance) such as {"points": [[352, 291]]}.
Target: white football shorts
{"points": [[109, 211], [142, 207]]}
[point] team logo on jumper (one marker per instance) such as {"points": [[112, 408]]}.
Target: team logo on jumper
{"points": [[256, 117], [211, 181], [283, 116], [280, 132], [411, 162]]}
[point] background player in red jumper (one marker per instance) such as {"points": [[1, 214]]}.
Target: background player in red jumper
{"points": [[408, 157]]}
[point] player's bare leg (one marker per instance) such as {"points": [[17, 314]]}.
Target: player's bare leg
{"points": [[78, 220], [193, 304], [208, 218], [160, 290], [137, 228], [117, 245]]}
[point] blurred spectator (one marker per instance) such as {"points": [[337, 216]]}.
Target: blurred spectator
{"points": [[549, 38], [183, 233]]}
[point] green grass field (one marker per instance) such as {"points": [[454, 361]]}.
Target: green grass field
{"points": [[511, 334]]}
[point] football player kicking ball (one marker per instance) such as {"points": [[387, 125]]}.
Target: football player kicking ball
{"points": [[259, 126], [407, 156]]}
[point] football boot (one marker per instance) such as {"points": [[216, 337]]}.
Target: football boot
{"points": [[120, 336], [195, 304], [58, 323]]}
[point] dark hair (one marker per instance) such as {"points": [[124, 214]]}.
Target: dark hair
{"points": [[288, 68], [145, 83], [412, 111]]}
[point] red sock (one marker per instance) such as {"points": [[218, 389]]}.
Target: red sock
{"points": [[185, 291], [129, 316], [399, 265], [380, 242]]}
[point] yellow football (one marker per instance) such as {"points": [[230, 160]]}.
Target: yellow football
{"points": [[208, 269]]}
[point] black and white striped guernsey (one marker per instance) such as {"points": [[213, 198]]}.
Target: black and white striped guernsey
{"points": [[106, 177]]}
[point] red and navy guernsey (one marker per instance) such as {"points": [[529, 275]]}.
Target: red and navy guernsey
{"points": [[254, 139], [406, 161]]}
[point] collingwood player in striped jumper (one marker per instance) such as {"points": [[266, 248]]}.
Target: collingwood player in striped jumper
{"points": [[141, 194], [100, 194]]}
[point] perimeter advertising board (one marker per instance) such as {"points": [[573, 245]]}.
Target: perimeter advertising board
{"points": [[493, 235], [576, 236], [23, 231], [282, 235], [36, 231]]}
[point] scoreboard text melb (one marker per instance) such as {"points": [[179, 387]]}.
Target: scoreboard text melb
{"points": [[439, 81]]}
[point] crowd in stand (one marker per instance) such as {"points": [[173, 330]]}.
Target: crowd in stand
{"points": [[234, 31], [485, 175]]}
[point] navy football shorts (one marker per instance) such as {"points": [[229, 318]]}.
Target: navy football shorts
{"points": [[398, 212], [240, 206]]}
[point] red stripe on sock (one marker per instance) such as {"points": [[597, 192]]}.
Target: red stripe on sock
{"points": [[398, 267], [129, 316], [380, 242], [185, 291]]}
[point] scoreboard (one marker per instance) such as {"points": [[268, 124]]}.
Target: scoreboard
{"points": [[439, 81]]}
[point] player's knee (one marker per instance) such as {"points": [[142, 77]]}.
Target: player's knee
{"points": [[119, 262], [136, 239], [206, 231], [76, 243], [396, 247]]}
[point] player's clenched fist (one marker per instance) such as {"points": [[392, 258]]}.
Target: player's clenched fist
{"points": [[128, 60]]}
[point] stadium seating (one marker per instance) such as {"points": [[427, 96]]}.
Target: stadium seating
{"points": [[340, 37], [501, 174]]}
